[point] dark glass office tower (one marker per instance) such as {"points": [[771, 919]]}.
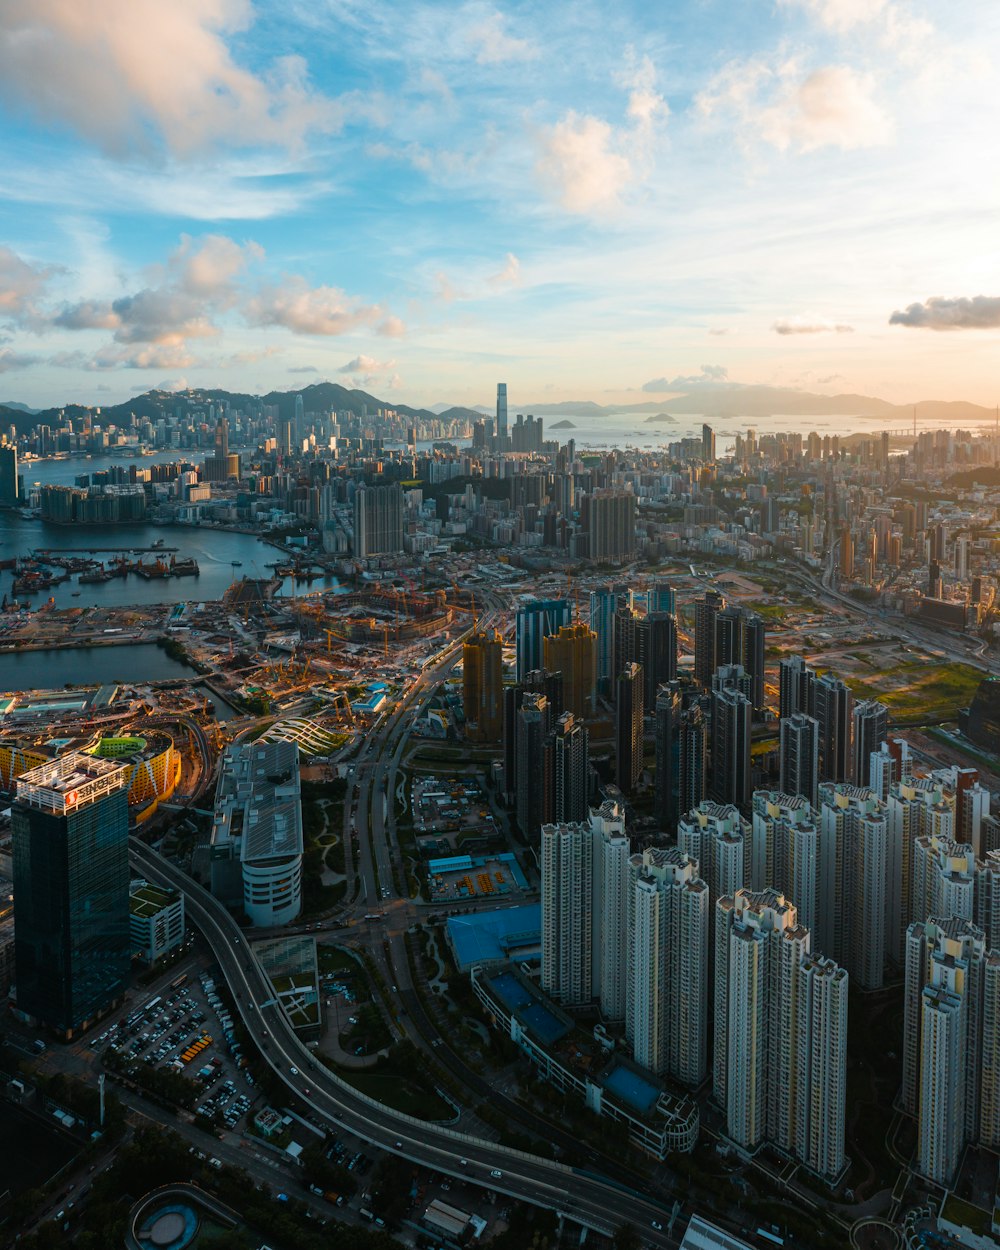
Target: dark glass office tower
{"points": [[71, 878]]}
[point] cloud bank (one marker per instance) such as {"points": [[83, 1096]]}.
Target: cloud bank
{"points": [[981, 312]]}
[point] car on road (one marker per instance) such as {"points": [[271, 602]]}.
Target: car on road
{"points": [[657, 1225], [496, 1175], [294, 1071]]}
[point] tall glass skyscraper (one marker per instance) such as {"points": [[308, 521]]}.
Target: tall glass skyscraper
{"points": [[71, 878], [502, 414]]}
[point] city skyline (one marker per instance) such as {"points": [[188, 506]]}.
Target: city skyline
{"points": [[413, 202]]}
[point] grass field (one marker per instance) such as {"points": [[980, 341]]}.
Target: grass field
{"points": [[399, 1092], [916, 692], [332, 959]]}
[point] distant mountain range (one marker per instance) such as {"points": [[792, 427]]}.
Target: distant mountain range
{"points": [[730, 399], [714, 401], [319, 397]]}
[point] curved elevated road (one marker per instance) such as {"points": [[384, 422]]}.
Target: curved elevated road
{"points": [[587, 1199]]}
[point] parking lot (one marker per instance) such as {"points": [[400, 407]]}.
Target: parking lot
{"points": [[187, 1030]]}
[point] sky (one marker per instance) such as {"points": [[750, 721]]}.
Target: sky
{"points": [[587, 201]]}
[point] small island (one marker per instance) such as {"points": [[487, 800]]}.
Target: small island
{"points": [[563, 425], [661, 416]]}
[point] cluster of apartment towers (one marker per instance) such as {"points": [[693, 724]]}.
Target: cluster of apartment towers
{"points": [[726, 947]]}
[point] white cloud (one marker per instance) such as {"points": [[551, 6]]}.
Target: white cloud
{"points": [[509, 275], [586, 162], [895, 25], [579, 161], [840, 15], [208, 266], [710, 374], [322, 310], [834, 106], [150, 356], [138, 75], [367, 364], [645, 104], [391, 327], [492, 45], [807, 325], [21, 284]]}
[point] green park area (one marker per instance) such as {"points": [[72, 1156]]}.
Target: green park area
{"points": [[396, 1084], [920, 692]]}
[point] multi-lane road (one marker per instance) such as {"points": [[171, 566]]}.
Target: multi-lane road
{"points": [[584, 1198]]}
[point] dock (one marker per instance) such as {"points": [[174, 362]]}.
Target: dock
{"points": [[76, 551]]}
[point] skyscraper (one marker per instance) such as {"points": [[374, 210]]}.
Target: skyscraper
{"points": [[799, 756], [692, 759], [584, 870], [502, 414], [667, 956], [536, 621], [531, 730], [730, 773], [71, 878], [856, 877], [603, 606], [482, 685], [538, 681], [706, 610], [794, 686], [567, 859], [10, 482], [567, 764], [656, 651], [780, 1058], [610, 909], [831, 705], [628, 728], [611, 524], [786, 851], [625, 649], [668, 708], [951, 1035], [917, 807], [707, 444], [871, 729], [943, 879], [573, 652], [719, 838], [378, 520], [661, 597]]}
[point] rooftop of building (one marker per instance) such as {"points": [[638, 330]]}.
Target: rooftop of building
{"points": [[146, 899], [258, 800], [493, 936], [527, 1003], [70, 781]]}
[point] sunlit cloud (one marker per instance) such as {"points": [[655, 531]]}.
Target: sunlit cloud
{"points": [[803, 325], [795, 110], [138, 75]]}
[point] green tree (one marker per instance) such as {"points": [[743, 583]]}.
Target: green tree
{"points": [[626, 1238]]}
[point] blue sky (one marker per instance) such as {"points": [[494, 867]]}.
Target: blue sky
{"points": [[586, 200]]}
